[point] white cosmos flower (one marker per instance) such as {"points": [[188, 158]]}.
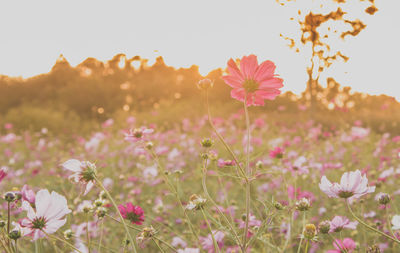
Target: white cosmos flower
{"points": [[48, 216]]}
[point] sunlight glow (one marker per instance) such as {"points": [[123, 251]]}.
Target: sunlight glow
{"points": [[191, 33]]}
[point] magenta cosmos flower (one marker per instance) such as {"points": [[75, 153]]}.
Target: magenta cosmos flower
{"points": [[277, 152], [48, 216], [352, 185], [134, 214], [84, 173], [253, 81]]}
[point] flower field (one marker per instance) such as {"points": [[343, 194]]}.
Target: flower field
{"points": [[242, 183]]}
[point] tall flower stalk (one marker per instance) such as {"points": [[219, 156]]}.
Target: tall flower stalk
{"points": [[116, 208], [370, 227], [249, 175]]}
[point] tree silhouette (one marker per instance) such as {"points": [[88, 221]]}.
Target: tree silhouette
{"points": [[321, 30]]}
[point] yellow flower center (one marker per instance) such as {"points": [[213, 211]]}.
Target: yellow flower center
{"points": [[250, 85]]}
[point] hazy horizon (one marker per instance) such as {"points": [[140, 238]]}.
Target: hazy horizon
{"points": [[187, 33]]}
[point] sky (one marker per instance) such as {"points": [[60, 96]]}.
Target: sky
{"points": [[206, 33]]}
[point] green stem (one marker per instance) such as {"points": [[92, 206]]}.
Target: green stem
{"points": [[101, 235], [223, 140], [8, 222], [172, 188], [88, 233], [120, 216], [249, 174], [301, 238], [139, 230], [216, 248], [369, 227], [389, 223], [306, 249], [61, 240], [215, 204], [158, 245]]}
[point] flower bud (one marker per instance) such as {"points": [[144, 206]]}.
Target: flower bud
{"points": [[101, 212], [303, 204], [373, 249], [278, 206], [89, 171], [196, 203], [259, 165], [18, 195], [207, 143], [68, 234], [103, 195], [87, 208], [126, 242], [14, 234], [310, 231], [204, 156], [205, 84], [324, 227], [98, 202], [384, 199], [149, 145], [9, 196], [2, 223]]}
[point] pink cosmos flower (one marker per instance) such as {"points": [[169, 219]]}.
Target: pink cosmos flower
{"points": [[48, 216], [352, 185], [28, 194], [253, 81], [8, 126], [207, 242], [134, 214], [137, 134], [340, 222], [222, 163], [347, 244], [83, 173], [3, 173]]}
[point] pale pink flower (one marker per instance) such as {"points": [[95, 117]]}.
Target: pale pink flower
{"points": [[253, 222], [207, 242], [138, 134], [396, 222], [340, 222], [352, 185], [177, 241], [253, 81], [189, 250], [84, 173], [48, 216], [107, 123]]}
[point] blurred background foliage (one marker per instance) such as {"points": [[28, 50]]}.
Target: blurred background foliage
{"points": [[78, 99]]}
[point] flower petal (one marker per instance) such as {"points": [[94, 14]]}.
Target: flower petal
{"points": [[248, 66]]}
